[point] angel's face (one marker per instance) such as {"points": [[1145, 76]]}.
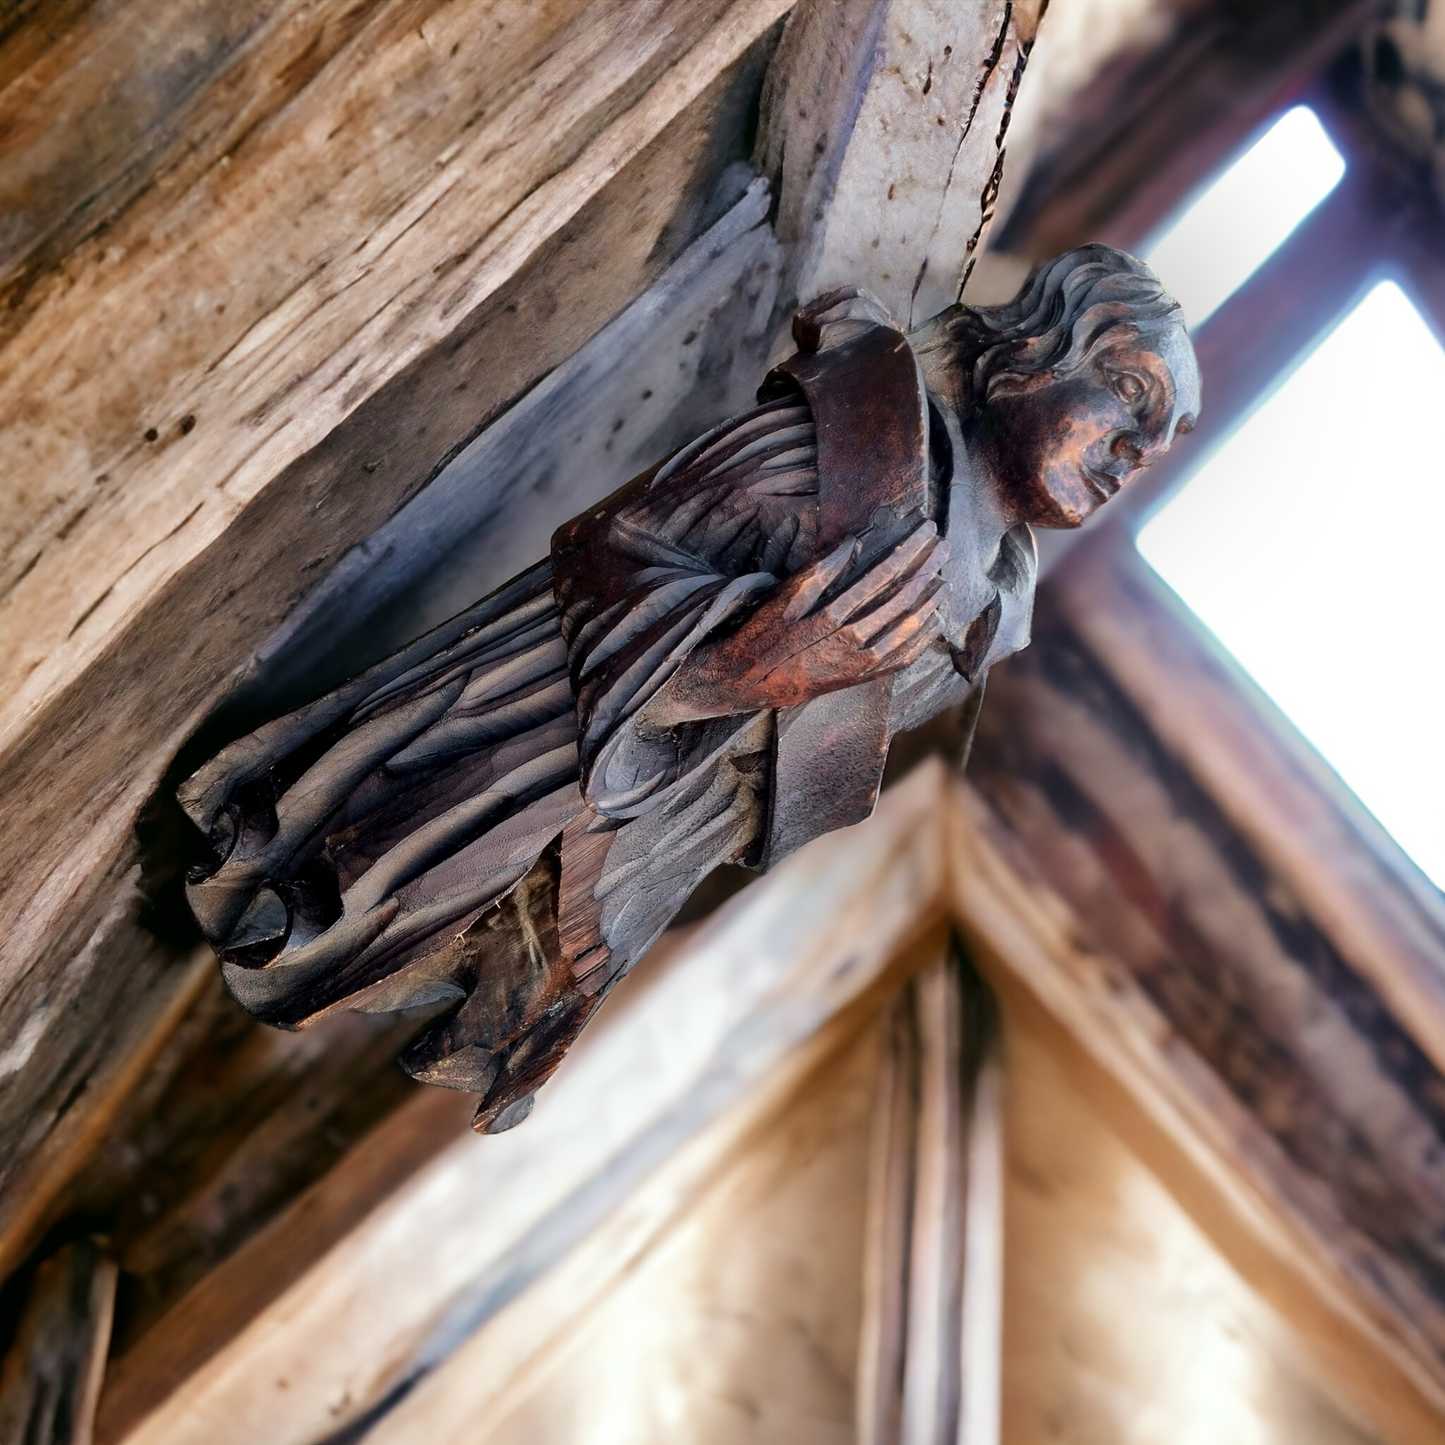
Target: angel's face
{"points": [[1059, 447]]}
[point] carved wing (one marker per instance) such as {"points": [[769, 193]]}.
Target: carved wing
{"points": [[662, 566], [359, 833]]}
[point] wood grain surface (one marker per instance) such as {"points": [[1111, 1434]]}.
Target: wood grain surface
{"points": [[473, 256], [51, 1374], [396, 1295]]}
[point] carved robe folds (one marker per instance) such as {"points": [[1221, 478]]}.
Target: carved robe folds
{"points": [[490, 816]]}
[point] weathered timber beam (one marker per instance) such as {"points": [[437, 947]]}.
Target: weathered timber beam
{"points": [[232, 1121], [141, 1377], [685, 355], [1057, 920], [1160, 118], [508, 1359], [403, 1290], [929, 1357], [1195, 704], [1236, 996], [104, 1078], [542, 116], [51, 1374], [883, 129], [551, 164], [95, 96]]}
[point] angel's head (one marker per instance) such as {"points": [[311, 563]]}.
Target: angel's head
{"points": [[1066, 391]]}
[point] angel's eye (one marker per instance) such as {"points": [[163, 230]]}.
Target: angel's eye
{"points": [[1127, 387]]}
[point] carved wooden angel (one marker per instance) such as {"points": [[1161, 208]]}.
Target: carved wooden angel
{"points": [[707, 669]]}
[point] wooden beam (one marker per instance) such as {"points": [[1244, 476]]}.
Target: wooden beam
{"points": [[929, 1356], [1213, 986], [232, 1121], [333, 339], [29, 1207], [1159, 119], [510, 1358], [883, 130], [882, 1344], [84, 139], [424, 245], [1353, 882], [980, 1416], [403, 1290], [50, 1378], [139, 1379]]}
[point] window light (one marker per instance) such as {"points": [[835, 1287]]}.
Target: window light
{"points": [[1311, 544], [1235, 225]]}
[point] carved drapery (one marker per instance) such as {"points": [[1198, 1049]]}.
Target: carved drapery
{"points": [[504, 816]]}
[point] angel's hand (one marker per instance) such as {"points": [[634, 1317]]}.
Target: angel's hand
{"points": [[797, 645]]}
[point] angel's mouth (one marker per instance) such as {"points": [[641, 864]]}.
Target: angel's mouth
{"points": [[1103, 484]]}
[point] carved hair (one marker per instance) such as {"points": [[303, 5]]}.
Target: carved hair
{"points": [[1067, 308]]}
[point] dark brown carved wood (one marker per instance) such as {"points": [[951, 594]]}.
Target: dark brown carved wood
{"points": [[506, 814]]}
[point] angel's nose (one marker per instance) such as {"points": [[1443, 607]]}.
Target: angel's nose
{"points": [[1129, 450]]}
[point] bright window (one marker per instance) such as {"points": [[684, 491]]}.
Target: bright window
{"points": [[1312, 544], [1235, 225]]}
